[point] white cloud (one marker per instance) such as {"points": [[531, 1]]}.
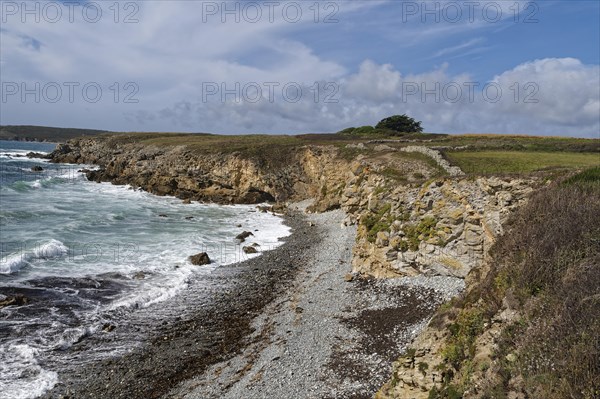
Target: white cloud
{"points": [[171, 52]]}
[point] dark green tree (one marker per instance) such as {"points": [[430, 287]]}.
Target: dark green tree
{"points": [[401, 124]]}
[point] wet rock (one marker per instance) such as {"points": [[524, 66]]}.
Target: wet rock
{"points": [[162, 215], [243, 235], [199, 259], [279, 208], [37, 168], [32, 154], [249, 249], [108, 327], [17, 300], [139, 276], [187, 201]]}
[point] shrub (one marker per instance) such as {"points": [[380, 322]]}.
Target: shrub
{"points": [[376, 222], [363, 130], [400, 124]]}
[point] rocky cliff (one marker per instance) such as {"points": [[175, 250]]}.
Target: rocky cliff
{"points": [[416, 213], [219, 177]]}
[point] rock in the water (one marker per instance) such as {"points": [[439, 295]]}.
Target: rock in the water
{"points": [[37, 168], [187, 201], [200, 259], [243, 235], [162, 215], [250, 249], [17, 300], [36, 155], [139, 276]]}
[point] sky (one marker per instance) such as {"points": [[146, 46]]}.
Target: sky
{"points": [[287, 67]]}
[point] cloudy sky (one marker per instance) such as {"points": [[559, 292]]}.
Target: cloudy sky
{"points": [[290, 67]]}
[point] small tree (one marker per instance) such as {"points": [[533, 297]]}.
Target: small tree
{"points": [[401, 124]]}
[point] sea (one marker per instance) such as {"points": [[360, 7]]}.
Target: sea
{"points": [[85, 255]]}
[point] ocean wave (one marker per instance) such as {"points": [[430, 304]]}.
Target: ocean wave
{"points": [[51, 249], [46, 182], [13, 263], [71, 336], [21, 377], [14, 153]]}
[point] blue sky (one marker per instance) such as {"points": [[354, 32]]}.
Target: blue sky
{"points": [[167, 66]]}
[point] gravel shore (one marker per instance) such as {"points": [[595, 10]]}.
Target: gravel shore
{"points": [[326, 337], [175, 340], [287, 324]]}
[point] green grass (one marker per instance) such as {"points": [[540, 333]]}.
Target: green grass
{"points": [[587, 178], [498, 162], [376, 222], [487, 142]]}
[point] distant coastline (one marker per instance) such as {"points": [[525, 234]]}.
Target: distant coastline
{"points": [[44, 134]]}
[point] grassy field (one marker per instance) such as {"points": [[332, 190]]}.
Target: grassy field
{"points": [[499, 162], [486, 142]]}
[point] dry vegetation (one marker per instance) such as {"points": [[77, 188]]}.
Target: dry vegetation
{"points": [[547, 269]]}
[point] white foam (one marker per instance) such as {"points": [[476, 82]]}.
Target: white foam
{"points": [[21, 377], [51, 249], [14, 153], [13, 263], [73, 335]]}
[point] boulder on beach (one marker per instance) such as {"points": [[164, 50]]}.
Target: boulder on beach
{"points": [[199, 259], [243, 235], [249, 249]]}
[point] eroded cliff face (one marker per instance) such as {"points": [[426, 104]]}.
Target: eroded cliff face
{"points": [[443, 227], [416, 213], [224, 178]]}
